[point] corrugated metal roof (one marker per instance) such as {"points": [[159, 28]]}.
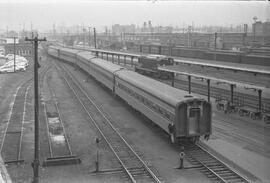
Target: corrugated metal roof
{"points": [[163, 91]]}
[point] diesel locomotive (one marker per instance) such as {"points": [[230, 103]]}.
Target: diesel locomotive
{"points": [[148, 65]]}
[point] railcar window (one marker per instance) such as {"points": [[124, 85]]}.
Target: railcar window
{"points": [[194, 112], [158, 109]]}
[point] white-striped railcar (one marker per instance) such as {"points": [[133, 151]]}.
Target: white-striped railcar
{"points": [[180, 114], [103, 71]]}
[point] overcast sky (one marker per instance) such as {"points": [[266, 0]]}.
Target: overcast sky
{"points": [[43, 14]]}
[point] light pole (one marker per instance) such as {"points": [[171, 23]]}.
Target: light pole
{"points": [[89, 28], [84, 36], [215, 45], [254, 27], [14, 53], [95, 38]]}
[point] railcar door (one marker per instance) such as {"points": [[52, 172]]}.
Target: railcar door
{"points": [[194, 120]]}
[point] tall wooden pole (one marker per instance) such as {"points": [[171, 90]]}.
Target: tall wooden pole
{"points": [[14, 54], [95, 38], [35, 163]]}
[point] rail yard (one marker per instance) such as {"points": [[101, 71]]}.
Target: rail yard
{"points": [[84, 113], [164, 103]]}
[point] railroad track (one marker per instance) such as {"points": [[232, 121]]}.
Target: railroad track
{"points": [[12, 141], [214, 169], [60, 152], [132, 164], [55, 128]]}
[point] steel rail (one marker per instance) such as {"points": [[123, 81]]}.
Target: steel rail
{"points": [[197, 148], [10, 113], [45, 113], [48, 133], [24, 86], [60, 119], [89, 115], [108, 121], [225, 164], [20, 145]]}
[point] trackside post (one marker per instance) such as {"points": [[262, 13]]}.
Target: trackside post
{"points": [[97, 160]]}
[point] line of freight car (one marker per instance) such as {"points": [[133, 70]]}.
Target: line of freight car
{"points": [[221, 55]]}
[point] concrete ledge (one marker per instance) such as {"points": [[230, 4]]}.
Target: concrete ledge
{"points": [[4, 176]]}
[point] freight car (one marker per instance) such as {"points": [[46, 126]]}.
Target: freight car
{"points": [[218, 55], [181, 115], [148, 65]]}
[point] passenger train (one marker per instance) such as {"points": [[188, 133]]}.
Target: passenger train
{"points": [[181, 115]]}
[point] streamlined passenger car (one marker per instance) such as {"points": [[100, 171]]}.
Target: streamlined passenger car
{"points": [[182, 115], [102, 70], [178, 113]]}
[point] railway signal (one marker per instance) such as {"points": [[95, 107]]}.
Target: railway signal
{"points": [[35, 163], [97, 140]]}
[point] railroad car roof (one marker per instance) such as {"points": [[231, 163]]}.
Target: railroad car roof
{"points": [[100, 62], [68, 50], [167, 93], [152, 56], [107, 65], [86, 55], [53, 47]]}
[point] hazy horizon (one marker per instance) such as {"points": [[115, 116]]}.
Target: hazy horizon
{"points": [[43, 14]]}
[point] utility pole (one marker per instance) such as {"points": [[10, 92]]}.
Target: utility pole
{"points": [[254, 28], [84, 37], [35, 163], [95, 38], [89, 36], [245, 34], [215, 45], [14, 53], [189, 30]]}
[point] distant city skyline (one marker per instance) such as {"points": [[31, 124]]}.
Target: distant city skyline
{"points": [[17, 15]]}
